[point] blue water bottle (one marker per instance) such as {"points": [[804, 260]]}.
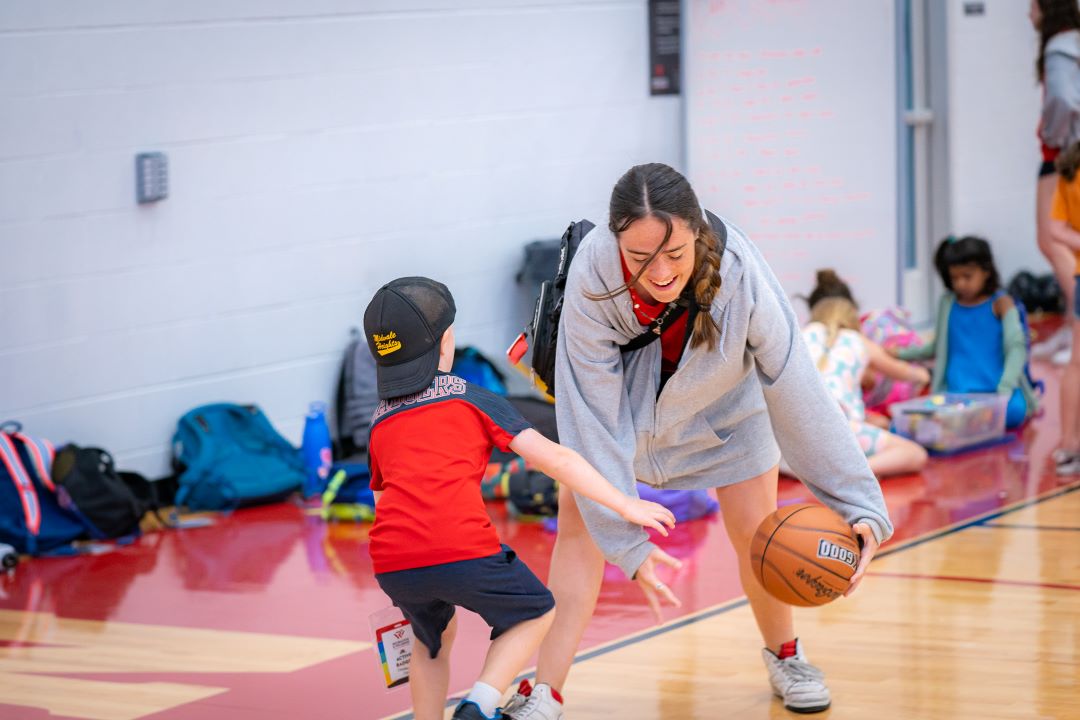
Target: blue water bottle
{"points": [[316, 450]]}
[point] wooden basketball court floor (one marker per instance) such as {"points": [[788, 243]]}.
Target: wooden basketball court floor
{"points": [[972, 611]]}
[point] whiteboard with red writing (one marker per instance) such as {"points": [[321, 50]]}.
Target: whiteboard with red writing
{"points": [[791, 131]]}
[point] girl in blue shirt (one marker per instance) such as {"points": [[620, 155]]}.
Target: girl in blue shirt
{"points": [[980, 345]]}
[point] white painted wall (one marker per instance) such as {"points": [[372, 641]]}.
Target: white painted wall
{"points": [[316, 150], [993, 154], [792, 134]]}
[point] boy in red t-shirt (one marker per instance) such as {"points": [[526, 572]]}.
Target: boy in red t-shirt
{"points": [[433, 546]]}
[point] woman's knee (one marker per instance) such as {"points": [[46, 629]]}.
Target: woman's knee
{"points": [[571, 523]]}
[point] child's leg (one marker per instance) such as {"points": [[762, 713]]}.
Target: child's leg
{"points": [[429, 678], [1060, 257], [510, 651], [896, 455]]}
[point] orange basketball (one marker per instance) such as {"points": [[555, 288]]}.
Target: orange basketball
{"points": [[804, 555]]}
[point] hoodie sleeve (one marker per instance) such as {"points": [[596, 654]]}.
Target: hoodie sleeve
{"points": [[814, 436], [593, 413], [1014, 347], [1061, 101]]}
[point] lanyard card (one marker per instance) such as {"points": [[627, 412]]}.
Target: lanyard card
{"points": [[394, 639]]}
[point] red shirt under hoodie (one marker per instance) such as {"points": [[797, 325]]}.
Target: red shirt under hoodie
{"points": [[672, 337]]}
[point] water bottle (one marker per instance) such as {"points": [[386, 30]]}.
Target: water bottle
{"points": [[316, 450]]}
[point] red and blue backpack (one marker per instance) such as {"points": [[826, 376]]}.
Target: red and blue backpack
{"points": [[33, 518]]}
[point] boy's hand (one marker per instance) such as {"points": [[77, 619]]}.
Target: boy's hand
{"points": [[655, 590], [869, 546], [648, 514]]}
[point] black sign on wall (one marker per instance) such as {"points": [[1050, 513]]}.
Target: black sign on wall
{"points": [[664, 47]]}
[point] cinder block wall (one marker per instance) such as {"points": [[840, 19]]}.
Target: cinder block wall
{"points": [[316, 150]]}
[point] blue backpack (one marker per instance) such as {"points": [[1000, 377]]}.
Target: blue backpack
{"points": [[473, 366], [34, 518], [229, 456]]}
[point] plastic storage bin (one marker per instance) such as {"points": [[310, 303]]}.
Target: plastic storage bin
{"points": [[946, 423]]}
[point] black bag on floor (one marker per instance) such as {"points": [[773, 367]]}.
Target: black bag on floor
{"points": [[531, 492], [89, 478]]}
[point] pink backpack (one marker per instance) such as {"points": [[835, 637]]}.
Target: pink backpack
{"points": [[890, 327]]}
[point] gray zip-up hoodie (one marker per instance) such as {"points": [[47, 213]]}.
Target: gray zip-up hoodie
{"points": [[1061, 100], [714, 423]]}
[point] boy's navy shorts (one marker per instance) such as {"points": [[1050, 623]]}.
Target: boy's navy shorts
{"points": [[499, 588]]}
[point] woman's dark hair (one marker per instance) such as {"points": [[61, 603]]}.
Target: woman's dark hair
{"points": [[968, 250], [1057, 16], [657, 190], [829, 285], [1068, 162]]}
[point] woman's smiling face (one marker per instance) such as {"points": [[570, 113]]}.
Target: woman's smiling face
{"points": [[669, 272]]}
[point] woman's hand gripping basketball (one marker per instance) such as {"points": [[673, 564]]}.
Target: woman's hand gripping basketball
{"points": [[868, 546], [656, 591]]}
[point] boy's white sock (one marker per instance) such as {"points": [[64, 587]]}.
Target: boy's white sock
{"points": [[486, 697]]}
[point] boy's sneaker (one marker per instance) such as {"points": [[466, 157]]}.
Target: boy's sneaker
{"points": [[468, 710], [533, 703], [800, 684]]}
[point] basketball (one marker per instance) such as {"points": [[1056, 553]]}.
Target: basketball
{"points": [[804, 555]]}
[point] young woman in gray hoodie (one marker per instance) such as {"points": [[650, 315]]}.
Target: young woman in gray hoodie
{"points": [[711, 408]]}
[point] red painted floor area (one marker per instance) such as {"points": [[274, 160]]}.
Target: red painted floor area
{"points": [[276, 570]]}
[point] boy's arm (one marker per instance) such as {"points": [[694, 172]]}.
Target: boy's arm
{"points": [[568, 468]]}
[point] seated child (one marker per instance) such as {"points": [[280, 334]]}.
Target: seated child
{"points": [[979, 342], [843, 354], [433, 545]]}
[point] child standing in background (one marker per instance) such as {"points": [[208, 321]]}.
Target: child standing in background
{"points": [[1065, 229], [842, 355], [979, 344]]}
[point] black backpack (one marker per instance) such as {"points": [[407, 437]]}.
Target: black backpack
{"points": [[114, 503], [541, 335]]}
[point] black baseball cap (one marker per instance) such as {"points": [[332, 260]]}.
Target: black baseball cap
{"points": [[404, 324]]}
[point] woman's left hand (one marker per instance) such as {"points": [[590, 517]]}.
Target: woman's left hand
{"points": [[866, 554]]}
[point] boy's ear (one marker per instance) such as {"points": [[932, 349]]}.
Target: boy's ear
{"points": [[446, 345]]}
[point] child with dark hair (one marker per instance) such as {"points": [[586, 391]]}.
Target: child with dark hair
{"points": [[979, 344], [433, 545], [1065, 229]]}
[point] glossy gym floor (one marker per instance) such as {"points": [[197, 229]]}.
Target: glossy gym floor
{"points": [[971, 611]]}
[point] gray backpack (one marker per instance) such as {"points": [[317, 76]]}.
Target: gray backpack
{"points": [[357, 397]]}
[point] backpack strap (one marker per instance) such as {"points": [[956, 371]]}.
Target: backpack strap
{"points": [[9, 455], [42, 454]]}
